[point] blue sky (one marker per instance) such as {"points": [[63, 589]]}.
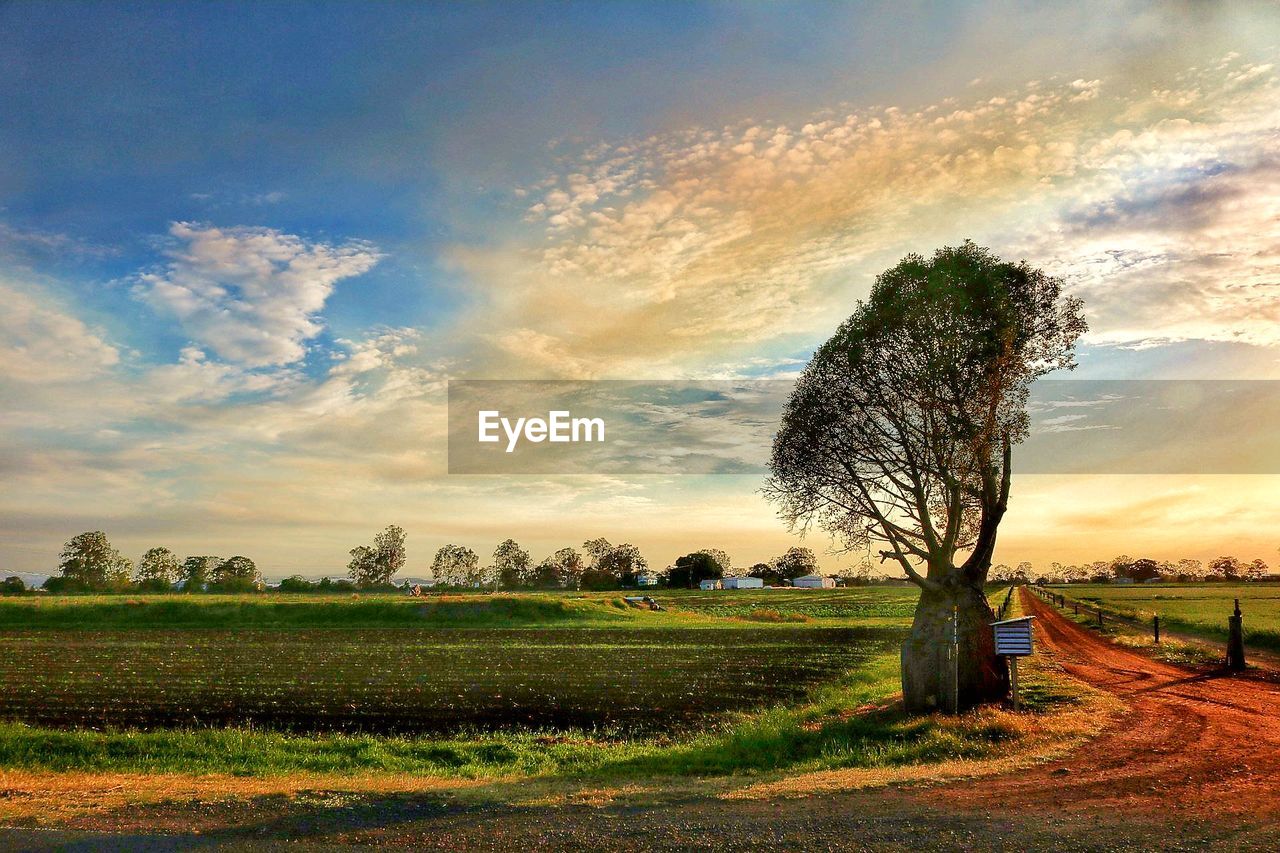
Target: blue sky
{"points": [[245, 245]]}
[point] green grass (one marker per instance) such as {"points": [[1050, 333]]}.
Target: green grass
{"points": [[818, 733], [1199, 610], [839, 715], [301, 611]]}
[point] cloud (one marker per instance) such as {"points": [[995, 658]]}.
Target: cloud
{"points": [[251, 295], [651, 256], [41, 343]]}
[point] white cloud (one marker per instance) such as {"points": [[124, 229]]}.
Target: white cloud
{"points": [[250, 295], [40, 342]]}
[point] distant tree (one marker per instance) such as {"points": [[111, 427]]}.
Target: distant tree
{"points": [[198, 571], [1256, 571], [1189, 570], [611, 565], [561, 569], [1120, 566], [1075, 574], [363, 567], [88, 562], [158, 570], [721, 559], [235, 574], [456, 565], [512, 568], [796, 563], [376, 566], [1226, 568], [12, 585], [692, 569], [1144, 569], [390, 554], [767, 572], [1024, 572], [296, 583], [1099, 571]]}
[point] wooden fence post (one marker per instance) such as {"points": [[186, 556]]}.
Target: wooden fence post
{"points": [[1156, 624], [1099, 617], [1235, 640]]}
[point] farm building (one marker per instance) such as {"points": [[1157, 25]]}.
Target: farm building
{"points": [[646, 580], [814, 582], [743, 583], [710, 583]]}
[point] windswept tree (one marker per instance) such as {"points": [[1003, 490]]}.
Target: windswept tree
{"points": [[898, 438], [456, 565], [88, 562], [1257, 570], [511, 565], [159, 569]]}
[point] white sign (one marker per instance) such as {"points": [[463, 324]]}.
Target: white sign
{"points": [[1013, 636]]}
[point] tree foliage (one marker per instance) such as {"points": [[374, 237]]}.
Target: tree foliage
{"points": [[88, 562], [235, 574], [898, 435], [456, 565], [691, 569], [377, 565], [159, 569], [512, 567]]}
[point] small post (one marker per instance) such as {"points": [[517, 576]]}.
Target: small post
{"points": [[1077, 608], [1099, 617], [1235, 640], [955, 652], [1155, 623], [1013, 679]]}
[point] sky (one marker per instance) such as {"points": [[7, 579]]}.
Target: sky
{"points": [[245, 247]]}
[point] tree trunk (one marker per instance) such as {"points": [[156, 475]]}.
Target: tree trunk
{"points": [[932, 679]]}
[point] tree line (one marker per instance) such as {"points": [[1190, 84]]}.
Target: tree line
{"points": [[1225, 568], [89, 563]]}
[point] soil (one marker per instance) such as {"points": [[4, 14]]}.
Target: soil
{"points": [[1193, 761]]}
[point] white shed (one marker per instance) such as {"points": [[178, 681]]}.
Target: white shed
{"points": [[710, 583], [646, 580], [743, 583], [814, 582]]}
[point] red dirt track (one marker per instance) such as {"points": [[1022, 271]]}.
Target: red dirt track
{"points": [[1205, 744]]}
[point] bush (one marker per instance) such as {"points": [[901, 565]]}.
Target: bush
{"points": [[12, 585], [297, 583], [154, 585]]}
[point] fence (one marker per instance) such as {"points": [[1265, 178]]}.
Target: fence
{"points": [[1235, 633]]}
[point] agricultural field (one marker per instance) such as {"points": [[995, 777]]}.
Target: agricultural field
{"points": [[882, 606], [631, 680], [1199, 609], [442, 665]]}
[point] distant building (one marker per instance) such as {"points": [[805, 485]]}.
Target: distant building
{"points": [[1123, 580], [710, 583], [814, 582], [646, 580], [742, 583]]}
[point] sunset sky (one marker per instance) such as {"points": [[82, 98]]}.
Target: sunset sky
{"points": [[243, 248]]}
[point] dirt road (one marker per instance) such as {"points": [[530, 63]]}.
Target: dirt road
{"points": [[1194, 761]]}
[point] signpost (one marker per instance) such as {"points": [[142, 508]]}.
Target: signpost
{"points": [[1013, 640]]}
